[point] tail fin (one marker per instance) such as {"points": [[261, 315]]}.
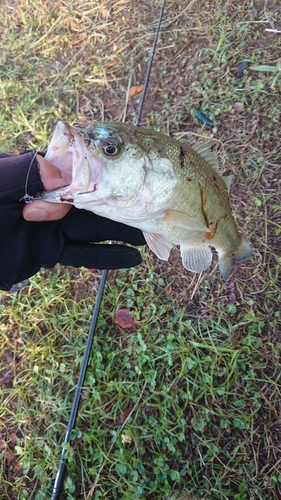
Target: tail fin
{"points": [[242, 253]]}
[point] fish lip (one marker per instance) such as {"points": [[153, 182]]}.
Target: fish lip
{"points": [[60, 150], [66, 145]]}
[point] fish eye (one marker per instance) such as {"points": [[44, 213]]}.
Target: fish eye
{"points": [[111, 149]]}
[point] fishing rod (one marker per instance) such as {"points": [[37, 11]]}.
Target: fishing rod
{"points": [[58, 484]]}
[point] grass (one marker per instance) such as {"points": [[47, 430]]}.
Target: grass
{"points": [[188, 405]]}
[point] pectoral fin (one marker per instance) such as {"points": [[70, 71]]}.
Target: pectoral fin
{"points": [[180, 219], [159, 245], [196, 259]]}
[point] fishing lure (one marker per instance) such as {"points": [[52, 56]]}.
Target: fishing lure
{"points": [[203, 118]]}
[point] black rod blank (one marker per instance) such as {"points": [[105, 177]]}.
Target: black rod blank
{"points": [[58, 484], [150, 64]]}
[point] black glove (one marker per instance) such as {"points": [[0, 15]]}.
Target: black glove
{"points": [[81, 227], [27, 246]]}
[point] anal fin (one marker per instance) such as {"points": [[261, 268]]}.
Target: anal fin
{"points": [[196, 259]]}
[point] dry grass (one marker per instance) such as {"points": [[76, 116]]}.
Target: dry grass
{"points": [[204, 368]]}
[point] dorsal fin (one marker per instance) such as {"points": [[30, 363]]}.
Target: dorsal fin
{"points": [[203, 148], [228, 180]]}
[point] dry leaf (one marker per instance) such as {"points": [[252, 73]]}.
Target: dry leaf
{"points": [[19, 286], [9, 357], [76, 442], [254, 126], [2, 444], [136, 90], [238, 106], [18, 466], [9, 457], [126, 438], [13, 438], [232, 298], [7, 378], [125, 319], [124, 415], [240, 69], [254, 12], [169, 291], [19, 341]]}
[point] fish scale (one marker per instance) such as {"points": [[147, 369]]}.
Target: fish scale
{"points": [[174, 193]]}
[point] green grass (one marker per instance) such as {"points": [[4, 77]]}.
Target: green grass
{"points": [[188, 405]]}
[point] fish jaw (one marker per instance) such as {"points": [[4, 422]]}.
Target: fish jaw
{"points": [[67, 151]]}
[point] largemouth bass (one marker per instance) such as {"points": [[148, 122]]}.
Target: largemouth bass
{"points": [[174, 193]]}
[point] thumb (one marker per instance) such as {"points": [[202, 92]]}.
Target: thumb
{"points": [[43, 211]]}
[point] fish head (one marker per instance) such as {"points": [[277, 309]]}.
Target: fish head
{"points": [[114, 167], [120, 161]]}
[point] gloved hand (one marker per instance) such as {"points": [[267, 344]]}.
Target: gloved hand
{"points": [[27, 246]]}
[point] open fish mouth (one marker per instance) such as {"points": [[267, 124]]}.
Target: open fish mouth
{"points": [[68, 152]]}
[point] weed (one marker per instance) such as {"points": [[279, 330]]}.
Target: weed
{"points": [[189, 403]]}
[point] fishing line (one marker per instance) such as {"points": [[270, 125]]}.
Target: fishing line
{"points": [[151, 57], [27, 198], [58, 484]]}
